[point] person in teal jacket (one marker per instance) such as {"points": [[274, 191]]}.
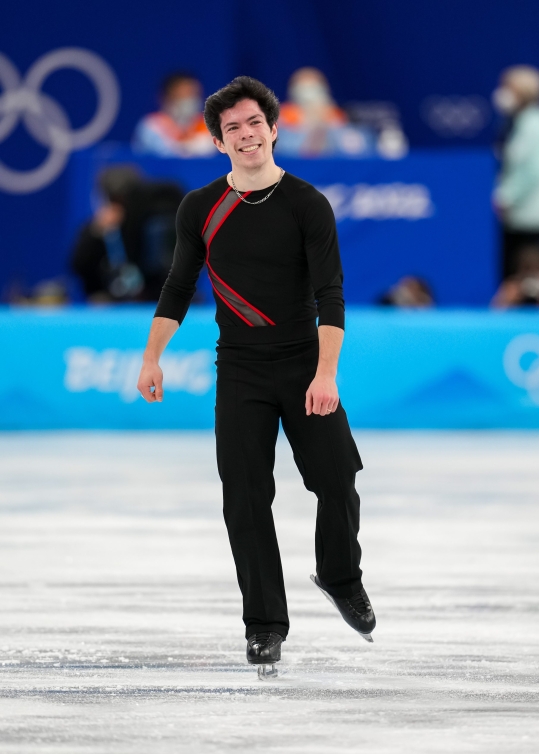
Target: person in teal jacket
{"points": [[516, 196]]}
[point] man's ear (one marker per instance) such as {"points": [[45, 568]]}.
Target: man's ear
{"points": [[219, 144], [274, 132]]}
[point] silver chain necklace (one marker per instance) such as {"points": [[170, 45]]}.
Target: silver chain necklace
{"points": [[260, 200]]}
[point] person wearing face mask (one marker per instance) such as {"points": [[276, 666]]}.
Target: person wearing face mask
{"points": [[310, 101], [178, 128], [516, 197], [311, 123]]}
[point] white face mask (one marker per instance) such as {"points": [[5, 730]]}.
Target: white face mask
{"points": [[182, 111], [505, 100], [309, 93]]}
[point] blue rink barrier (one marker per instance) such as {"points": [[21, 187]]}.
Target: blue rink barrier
{"points": [[429, 214], [78, 368]]}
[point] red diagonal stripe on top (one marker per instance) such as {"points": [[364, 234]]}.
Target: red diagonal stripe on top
{"points": [[223, 299], [212, 211], [212, 271], [210, 268], [224, 217]]}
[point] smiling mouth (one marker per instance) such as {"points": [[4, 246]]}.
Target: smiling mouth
{"points": [[251, 148]]}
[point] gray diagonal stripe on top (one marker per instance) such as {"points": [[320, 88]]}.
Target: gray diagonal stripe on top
{"points": [[218, 215], [245, 310], [251, 316]]}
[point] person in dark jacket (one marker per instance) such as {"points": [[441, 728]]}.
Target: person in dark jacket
{"points": [[125, 251]]}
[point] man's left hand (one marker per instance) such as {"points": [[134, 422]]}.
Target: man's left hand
{"points": [[322, 396]]}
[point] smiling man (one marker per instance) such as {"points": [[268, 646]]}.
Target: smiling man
{"points": [[270, 245]]}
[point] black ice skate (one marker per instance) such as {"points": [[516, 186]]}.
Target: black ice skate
{"points": [[264, 650], [356, 610]]}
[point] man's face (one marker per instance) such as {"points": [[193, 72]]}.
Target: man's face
{"points": [[247, 138]]}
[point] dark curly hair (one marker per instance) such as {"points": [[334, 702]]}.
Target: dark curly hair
{"points": [[242, 87]]}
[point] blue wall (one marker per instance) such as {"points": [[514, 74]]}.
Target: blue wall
{"points": [[404, 52], [429, 214], [384, 50], [78, 368]]}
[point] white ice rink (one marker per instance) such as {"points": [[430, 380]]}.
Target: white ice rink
{"points": [[120, 614]]}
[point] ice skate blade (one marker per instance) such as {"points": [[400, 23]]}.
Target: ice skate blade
{"points": [[267, 672], [367, 637]]}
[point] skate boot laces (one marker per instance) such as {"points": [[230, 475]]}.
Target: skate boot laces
{"points": [[260, 639], [264, 647], [359, 603]]}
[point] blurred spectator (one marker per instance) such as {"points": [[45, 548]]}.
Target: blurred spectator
{"points": [[383, 120], [522, 288], [178, 129], [312, 124], [53, 292], [410, 292], [517, 194], [125, 252]]}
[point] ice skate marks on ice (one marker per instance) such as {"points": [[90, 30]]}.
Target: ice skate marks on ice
{"points": [[367, 637]]}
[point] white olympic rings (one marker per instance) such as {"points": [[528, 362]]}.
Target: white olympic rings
{"points": [[46, 120]]}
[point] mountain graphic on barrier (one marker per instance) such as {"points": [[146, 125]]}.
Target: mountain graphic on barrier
{"points": [[23, 409], [454, 400]]}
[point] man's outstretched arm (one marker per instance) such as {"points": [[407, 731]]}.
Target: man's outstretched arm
{"points": [[323, 396], [161, 332]]}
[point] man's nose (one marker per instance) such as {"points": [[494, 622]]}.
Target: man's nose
{"points": [[246, 131]]}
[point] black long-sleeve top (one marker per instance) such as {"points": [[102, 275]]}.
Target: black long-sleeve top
{"points": [[281, 257]]}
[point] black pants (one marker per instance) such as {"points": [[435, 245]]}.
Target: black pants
{"points": [[257, 386]]}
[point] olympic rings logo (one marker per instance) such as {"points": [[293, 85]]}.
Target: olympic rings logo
{"points": [[46, 120], [522, 374]]}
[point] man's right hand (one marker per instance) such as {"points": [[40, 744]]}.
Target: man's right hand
{"points": [[151, 376]]}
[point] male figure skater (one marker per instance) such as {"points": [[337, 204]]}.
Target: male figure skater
{"points": [[270, 245]]}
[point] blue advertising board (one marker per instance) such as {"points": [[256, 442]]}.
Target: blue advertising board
{"points": [[78, 368], [428, 215]]}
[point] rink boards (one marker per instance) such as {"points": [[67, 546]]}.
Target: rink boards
{"points": [[78, 368]]}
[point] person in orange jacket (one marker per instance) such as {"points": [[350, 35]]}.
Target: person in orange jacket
{"points": [[310, 117], [178, 128]]}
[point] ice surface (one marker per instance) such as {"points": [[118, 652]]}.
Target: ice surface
{"points": [[120, 626]]}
